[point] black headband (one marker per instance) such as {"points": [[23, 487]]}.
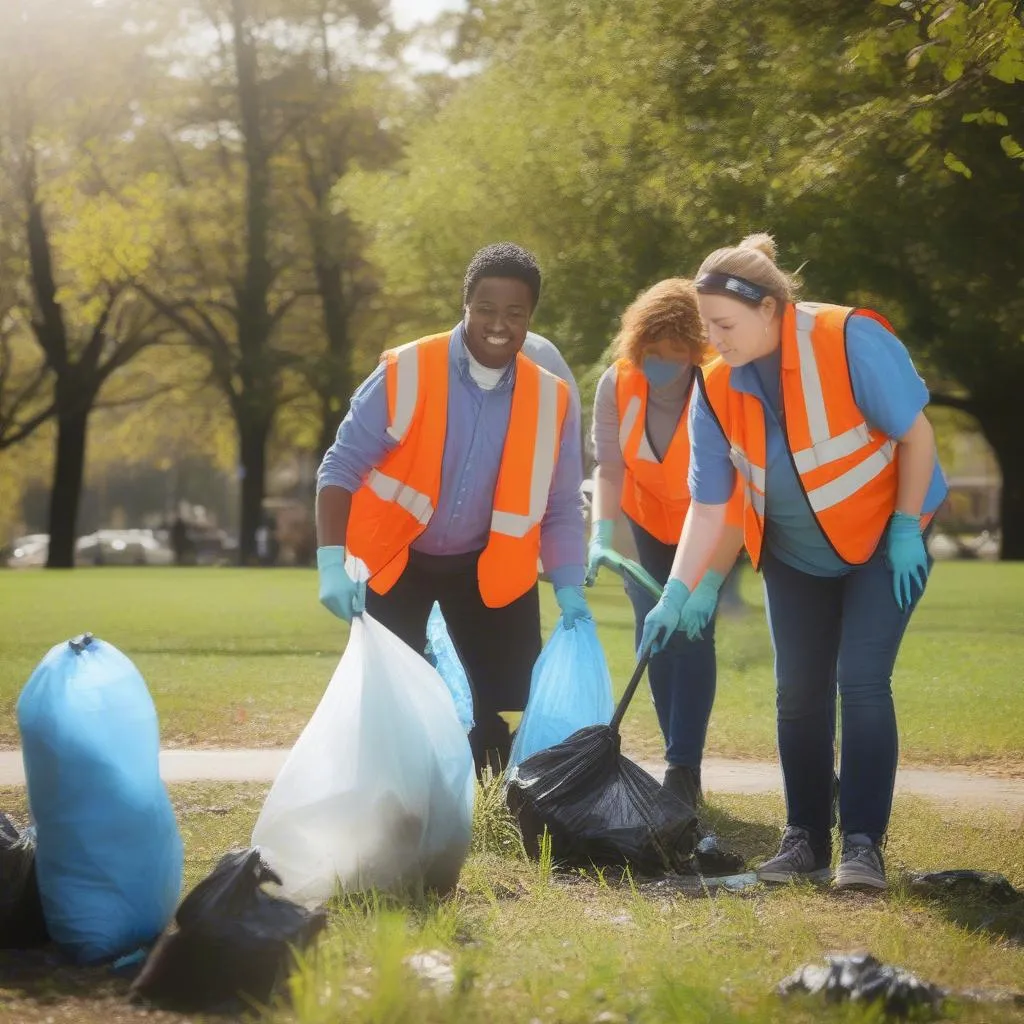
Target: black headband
{"points": [[727, 284]]}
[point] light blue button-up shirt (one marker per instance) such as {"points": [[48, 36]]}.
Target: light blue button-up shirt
{"points": [[474, 442]]}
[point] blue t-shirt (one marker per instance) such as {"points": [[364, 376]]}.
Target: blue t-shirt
{"points": [[888, 391]]}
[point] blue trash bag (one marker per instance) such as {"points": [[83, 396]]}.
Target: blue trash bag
{"points": [[570, 689], [109, 857], [442, 655]]}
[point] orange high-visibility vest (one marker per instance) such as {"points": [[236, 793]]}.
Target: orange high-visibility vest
{"points": [[847, 470], [656, 495], [397, 501]]}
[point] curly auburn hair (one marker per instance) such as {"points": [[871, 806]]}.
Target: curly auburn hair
{"points": [[666, 311]]}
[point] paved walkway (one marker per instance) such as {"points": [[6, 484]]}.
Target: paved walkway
{"points": [[720, 775]]}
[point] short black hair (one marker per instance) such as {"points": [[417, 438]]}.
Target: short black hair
{"points": [[502, 259]]}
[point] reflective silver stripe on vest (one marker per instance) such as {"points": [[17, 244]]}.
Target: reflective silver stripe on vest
{"points": [[752, 474], [810, 379], [756, 499], [832, 449], [387, 488], [831, 494], [408, 384], [645, 453], [628, 422], [545, 456]]}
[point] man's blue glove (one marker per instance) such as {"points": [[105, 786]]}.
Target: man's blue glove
{"points": [[907, 557], [339, 593], [601, 551], [663, 619], [573, 605], [700, 607]]}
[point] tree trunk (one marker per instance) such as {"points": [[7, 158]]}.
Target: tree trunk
{"points": [[253, 435], [999, 418], [66, 492]]}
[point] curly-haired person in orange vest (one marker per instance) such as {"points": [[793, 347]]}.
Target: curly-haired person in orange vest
{"points": [[818, 410], [642, 449], [456, 469]]}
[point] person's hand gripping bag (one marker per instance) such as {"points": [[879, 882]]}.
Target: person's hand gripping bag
{"points": [[378, 791], [570, 690], [442, 655], [109, 856]]}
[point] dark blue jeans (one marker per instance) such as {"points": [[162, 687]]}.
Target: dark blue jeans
{"points": [[683, 675], [828, 630]]}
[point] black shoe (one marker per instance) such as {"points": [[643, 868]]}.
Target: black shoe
{"points": [[684, 782]]}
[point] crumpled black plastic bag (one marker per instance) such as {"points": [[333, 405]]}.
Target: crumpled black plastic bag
{"points": [[861, 977], [230, 948], [713, 859], [600, 808], [22, 925], [984, 885]]}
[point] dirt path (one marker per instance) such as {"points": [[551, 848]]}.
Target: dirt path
{"points": [[721, 775]]}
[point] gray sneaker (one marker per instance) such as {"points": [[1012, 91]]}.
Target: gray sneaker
{"points": [[861, 866], [797, 859]]}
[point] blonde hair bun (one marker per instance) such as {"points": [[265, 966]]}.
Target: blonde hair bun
{"points": [[762, 243]]}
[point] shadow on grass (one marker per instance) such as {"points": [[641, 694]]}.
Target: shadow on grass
{"points": [[753, 840], [988, 907], [45, 978]]}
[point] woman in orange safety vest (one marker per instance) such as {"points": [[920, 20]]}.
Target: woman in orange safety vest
{"points": [[818, 411], [642, 448]]}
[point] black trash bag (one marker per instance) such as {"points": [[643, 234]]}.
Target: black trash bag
{"points": [[983, 885], [232, 944], [861, 977], [22, 925], [599, 807], [714, 860]]}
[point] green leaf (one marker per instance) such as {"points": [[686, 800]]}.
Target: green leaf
{"points": [[956, 165], [954, 70], [1012, 148], [985, 117], [1009, 68]]}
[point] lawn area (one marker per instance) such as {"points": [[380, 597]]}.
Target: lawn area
{"points": [[240, 657], [526, 945]]}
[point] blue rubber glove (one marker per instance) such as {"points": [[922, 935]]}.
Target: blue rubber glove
{"points": [[339, 593], [700, 607], [600, 551], [573, 605], [663, 619], [907, 557]]}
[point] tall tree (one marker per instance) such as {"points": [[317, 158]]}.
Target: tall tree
{"points": [[239, 271], [80, 247]]}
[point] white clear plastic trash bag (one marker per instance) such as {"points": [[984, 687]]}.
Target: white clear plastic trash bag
{"points": [[378, 791]]}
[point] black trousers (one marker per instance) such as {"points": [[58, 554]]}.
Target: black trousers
{"points": [[497, 646]]}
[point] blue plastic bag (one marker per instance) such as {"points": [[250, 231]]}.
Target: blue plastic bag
{"points": [[109, 856], [442, 655], [570, 689]]}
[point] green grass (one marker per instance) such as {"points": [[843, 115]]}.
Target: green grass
{"points": [[240, 657], [525, 944]]}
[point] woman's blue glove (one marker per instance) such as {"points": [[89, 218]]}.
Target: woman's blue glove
{"points": [[700, 607], [339, 593], [600, 551], [573, 605], [907, 557], [663, 619]]}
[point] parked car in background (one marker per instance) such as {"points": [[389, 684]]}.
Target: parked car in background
{"points": [[122, 547], [28, 552], [105, 547]]}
